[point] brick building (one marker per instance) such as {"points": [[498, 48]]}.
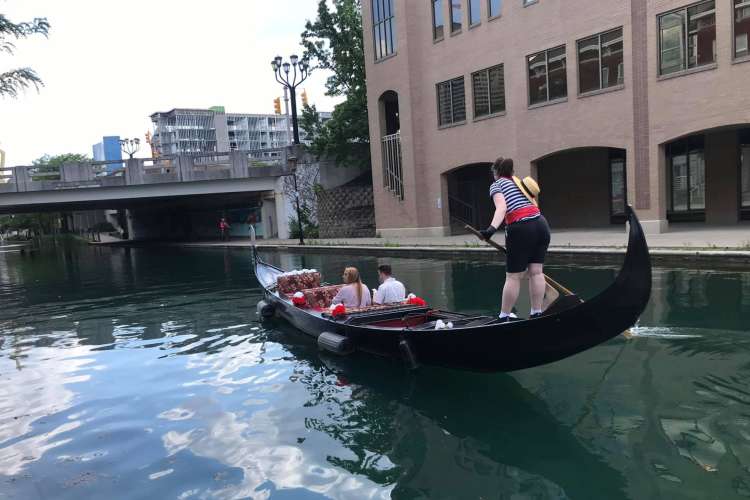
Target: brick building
{"points": [[606, 102]]}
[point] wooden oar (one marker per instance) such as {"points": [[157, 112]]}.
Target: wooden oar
{"points": [[557, 287]]}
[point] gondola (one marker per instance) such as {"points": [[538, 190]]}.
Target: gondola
{"points": [[406, 331]]}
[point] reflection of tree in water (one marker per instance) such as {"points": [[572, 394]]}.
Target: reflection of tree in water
{"points": [[446, 434], [728, 344]]}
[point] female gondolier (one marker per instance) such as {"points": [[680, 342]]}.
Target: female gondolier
{"points": [[526, 236]]}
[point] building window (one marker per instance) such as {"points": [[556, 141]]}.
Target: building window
{"points": [[494, 7], [437, 20], [741, 28], [526, 3], [475, 12], [451, 104], [488, 88], [745, 168], [547, 76], [456, 15], [687, 38], [383, 28], [687, 172], [600, 62], [618, 185]]}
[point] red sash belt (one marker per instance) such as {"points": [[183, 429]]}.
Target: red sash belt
{"points": [[521, 213]]}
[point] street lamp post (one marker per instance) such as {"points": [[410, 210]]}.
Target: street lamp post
{"points": [[298, 69], [281, 71], [130, 146]]}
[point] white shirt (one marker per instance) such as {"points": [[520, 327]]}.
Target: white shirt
{"points": [[389, 292], [348, 296]]}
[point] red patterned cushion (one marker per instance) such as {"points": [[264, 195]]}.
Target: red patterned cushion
{"points": [[321, 297], [290, 283]]}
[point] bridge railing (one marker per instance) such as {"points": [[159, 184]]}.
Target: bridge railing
{"points": [[7, 181], [140, 171]]}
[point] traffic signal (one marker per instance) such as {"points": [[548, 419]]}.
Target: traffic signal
{"points": [[277, 105], [304, 98]]}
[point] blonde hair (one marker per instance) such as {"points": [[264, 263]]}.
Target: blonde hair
{"points": [[351, 275]]}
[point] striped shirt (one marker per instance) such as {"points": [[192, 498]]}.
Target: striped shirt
{"points": [[519, 207]]}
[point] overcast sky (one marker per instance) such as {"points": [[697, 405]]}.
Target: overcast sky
{"points": [[108, 65]]}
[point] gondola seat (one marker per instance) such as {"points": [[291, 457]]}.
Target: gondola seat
{"points": [[322, 296], [290, 283]]}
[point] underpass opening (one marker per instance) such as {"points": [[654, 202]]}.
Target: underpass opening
{"points": [[583, 187]]}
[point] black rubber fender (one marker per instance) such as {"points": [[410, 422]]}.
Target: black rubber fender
{"points": [[265, 310], [335, 343]]}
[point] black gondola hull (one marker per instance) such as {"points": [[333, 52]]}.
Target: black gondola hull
{"points": [[507, 346]]}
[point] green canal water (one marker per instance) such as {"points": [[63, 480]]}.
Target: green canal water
{"points": [[145, 373]]}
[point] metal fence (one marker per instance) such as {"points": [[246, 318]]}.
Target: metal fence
{"points": [[393, 175]]}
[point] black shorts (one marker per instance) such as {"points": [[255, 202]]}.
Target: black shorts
{"points": [[526, 243]]}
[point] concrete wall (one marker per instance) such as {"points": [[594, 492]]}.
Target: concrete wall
{"points": [[575, 188], [333, 175]]}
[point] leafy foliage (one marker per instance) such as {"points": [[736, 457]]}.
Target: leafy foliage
{"points": [[37, 224], [310, 228], [334, 42], [48, 167], [41, 223], [60, 160], [16, 80]]}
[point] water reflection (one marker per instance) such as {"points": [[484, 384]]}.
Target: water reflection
{"points": [[488, 436], [147, 367]]}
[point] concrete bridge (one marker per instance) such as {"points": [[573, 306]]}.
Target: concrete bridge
{"points": [[149, 189]]}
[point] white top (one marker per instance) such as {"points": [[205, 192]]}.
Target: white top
{"points": [[389, 292], [348, 296]]}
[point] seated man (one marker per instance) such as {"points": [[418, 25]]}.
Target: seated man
{"points": [[391, 291]]}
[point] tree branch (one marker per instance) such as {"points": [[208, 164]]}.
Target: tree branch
{"points": [[17, 80]]}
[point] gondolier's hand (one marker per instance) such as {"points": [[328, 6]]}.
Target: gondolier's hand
{"points": [[487, 233]]}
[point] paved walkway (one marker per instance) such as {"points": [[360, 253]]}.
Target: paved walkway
{"points": [[684, 238]]}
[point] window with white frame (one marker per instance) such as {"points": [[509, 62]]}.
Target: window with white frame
{"points": [[687, 38], [600, 61], [547, 75]]}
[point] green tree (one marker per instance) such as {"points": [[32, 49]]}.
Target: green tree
{"points": [[334, 42], [60, 160], [42, 223], [16, 80], [48, 166]]}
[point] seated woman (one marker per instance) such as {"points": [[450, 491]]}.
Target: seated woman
{"points": [[355, 293]]}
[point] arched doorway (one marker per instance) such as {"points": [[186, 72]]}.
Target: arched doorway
{"points": [[390, 140], [468, 196], [583, 187]]}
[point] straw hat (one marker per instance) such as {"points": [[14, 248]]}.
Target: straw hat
{"points": [[529, 188]]}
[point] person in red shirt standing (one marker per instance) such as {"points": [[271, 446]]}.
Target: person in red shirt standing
{"points": [[224, 229], [527, 236]]}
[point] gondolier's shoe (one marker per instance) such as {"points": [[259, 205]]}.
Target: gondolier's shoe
{"points": [[535, 315], [508, 319]]}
